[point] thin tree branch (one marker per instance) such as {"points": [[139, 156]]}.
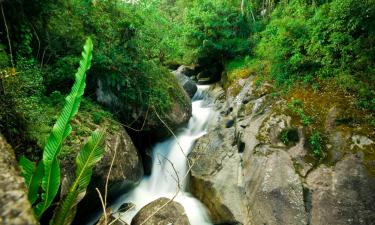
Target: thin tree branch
{"points": [[103, 205], [7, 30]]}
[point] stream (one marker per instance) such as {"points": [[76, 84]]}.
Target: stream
{"points": [[170, 169]]}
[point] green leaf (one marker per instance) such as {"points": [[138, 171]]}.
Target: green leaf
{"points": [[91, 153], [50, 184], [61, 129], [27, 169], [33, 177]]}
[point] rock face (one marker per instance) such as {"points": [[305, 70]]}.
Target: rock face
{"points": [[343, 194], [14, 205], [171, 214], [182, 75], [127, 170], [146, 120], [245, 174], [127, 166]]}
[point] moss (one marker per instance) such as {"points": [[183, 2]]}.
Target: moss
{"points": [[40, 114], [348, 119]]}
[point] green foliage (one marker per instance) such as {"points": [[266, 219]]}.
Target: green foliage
{"points": [[33, 177], [47, 173], [4, 59], [91, 153], [296, 106], [306, 42], [316, 142], [216, 31], [289, 136], [61, 129]]}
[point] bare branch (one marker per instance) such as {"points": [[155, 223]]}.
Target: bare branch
{"points": [[103, 205], [6, 28]]}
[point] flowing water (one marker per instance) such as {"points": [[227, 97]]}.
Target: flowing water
{"points": [[170, 167]]}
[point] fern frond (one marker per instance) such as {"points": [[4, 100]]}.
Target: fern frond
{"points": [[61, 129], [91, 153], [33, 177], [27, 169]]}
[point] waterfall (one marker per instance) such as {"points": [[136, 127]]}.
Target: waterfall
{"points": [[170, 167]]}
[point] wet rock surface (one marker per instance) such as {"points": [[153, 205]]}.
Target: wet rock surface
{"points": [[246, 174], [182, 74], [14, 204], [171, 214]]}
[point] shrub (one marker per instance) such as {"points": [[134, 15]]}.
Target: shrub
{"points": [[316, 142]]}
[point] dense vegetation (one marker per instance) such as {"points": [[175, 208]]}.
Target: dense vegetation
{"points": [[306, 49], [43, 179]]}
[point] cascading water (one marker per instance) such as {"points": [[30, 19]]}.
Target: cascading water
{"points": [[170, 168]]}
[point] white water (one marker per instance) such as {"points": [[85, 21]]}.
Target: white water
{"points": [[170, 166]]}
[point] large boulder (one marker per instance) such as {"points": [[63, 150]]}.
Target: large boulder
{"points": [[188, 84], [163, 211], [15, 207], [246, 173], [215, 176], [127, 165], [126, 171], [342, 194], [151, 124]]}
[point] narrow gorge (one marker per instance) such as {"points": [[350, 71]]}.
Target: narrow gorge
{"points": [[187, 112]]}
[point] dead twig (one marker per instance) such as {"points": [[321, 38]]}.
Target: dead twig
{"points": [[103, 205], [109, 173], [170, 200]]}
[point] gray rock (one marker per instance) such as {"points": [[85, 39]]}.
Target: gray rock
{"points": [[298, 154], [146, 119], [188, 85], [188, 71], [273, 190], [171, 214], [127, 166], [215, 176], [245, 174], [15, 207], [127, 170], [343, 194], [361, 141]]}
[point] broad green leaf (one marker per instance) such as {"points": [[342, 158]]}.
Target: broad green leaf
{"points": [[91, 153], [33, 177], [27, 169], [61, 129]]}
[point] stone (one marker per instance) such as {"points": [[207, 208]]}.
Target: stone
{"points": [[171, 214], [127, 166], [215, 176], [274, 193], [15, 207], [298, 154], [245, 174], [187, 84], [272, 128], [188, 71], [342, 194], [127, 170], [360, 141], [146, 120]]}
